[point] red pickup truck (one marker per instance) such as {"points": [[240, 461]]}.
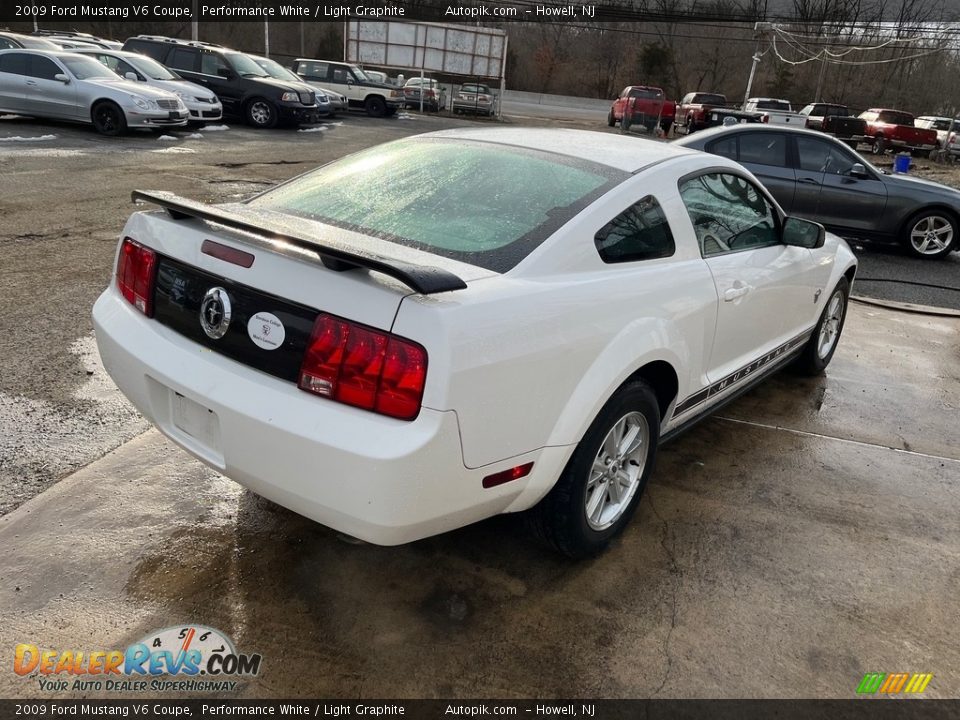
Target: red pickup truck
{"points": [[887, 129], [693, 112], [643, 104]]}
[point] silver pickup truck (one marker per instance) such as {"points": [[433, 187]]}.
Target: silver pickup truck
{"points": [[774, 111]]}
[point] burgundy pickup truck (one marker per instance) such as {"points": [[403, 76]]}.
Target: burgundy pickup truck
{"points": [[888, 129], [643, 104], [693, 112]]}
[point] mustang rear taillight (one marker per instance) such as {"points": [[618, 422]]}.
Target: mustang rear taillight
{"points": [[363, 367], [136, 273]]}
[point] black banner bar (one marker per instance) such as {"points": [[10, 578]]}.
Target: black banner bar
{"points": [[874, 709], [492, 11]]}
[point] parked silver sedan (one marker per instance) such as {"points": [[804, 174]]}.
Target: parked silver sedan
{"points": [[203, 105], [69, 86]]}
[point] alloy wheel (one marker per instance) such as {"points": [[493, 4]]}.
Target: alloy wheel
{"points": [[616, 471], [830, 327], [931, 235]]}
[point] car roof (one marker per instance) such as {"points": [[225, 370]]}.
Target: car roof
{"points": [[746, 127], [46, 53], [622, 152]]}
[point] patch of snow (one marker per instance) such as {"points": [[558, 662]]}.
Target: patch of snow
{"points": [[168, 138], [405, 116], [318, 128], [175, 149], [215, 128], [194, 136], [18, 138]]}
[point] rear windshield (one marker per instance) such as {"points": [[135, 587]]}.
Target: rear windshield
{"points": [[475, 89], [484, 204], [773, 105], [706, 99], [896, 118], [646, 93]]}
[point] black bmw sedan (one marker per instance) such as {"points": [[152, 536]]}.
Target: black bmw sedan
{"points": [[817, 177]]}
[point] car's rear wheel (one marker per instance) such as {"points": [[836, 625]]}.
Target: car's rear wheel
{"points": [[599, 490], [108, 118], [261, 113], [375, 106], [879, 146], [611, 120], [819, 350], [931, 234]]}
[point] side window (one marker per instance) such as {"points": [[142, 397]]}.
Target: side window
{"points": [[641, 232], [822, 157], [316, 71], [727, 147], [183, 59], [763, 148], [6, 44], [110, 61], [150, 49], [123, 67], [340, 75], [729, 214], [212, 64], [43, 68], [14, 63]]}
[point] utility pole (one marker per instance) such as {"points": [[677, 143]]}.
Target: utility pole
{"points": [[195, 24], [760, 31]]}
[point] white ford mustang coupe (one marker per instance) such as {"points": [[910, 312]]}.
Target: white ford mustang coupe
{"points": [[465, 323]]}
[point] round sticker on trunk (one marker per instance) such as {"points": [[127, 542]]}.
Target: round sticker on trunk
{"points": [[266, 330]]}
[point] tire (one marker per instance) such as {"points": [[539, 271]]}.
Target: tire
{"points": [[931, 234], [611, 120], [108, 119], [375, 106], [689, 129], [261, 113], [561, 520], [819, 350], [879, 146], [665, 125]]}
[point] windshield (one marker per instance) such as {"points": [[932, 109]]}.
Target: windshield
{"points": [[274, 69], [152, 69], [84, 68], [481, 203], [245, 65]]}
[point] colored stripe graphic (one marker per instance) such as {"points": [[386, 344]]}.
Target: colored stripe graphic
{"points": [[893, 683]]}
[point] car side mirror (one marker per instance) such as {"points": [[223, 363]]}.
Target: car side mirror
{"points": [[803, 233], [131, 76], [62, 78], [857, 170]]}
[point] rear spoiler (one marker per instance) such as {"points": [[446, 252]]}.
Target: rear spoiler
{"points": [[422, 278]]}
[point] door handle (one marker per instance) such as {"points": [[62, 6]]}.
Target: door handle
{"points": [[808, 181], [731, 294], [31, 83]]}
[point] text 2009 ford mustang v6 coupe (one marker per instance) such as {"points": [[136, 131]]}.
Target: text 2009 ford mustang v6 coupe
{"points": [[466, 323]]}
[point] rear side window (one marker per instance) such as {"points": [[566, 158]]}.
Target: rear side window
{"points": [[315, 71], [183, 59], [485, 204], [763, 149], [6, 44], [641, 232], [727, 147], [15, 63]]}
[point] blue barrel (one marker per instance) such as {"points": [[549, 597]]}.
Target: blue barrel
{"points": [[901, 163]]}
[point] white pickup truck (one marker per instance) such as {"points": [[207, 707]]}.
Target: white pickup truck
{"points": [[775, 111]]}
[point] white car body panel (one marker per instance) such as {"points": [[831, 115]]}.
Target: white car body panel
{"points": [[520, 363]]}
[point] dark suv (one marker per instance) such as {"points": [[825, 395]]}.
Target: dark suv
{"points": [[244, 88]]}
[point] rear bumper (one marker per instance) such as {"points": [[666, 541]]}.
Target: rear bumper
{"points": [[479, 108], [382, 480]]}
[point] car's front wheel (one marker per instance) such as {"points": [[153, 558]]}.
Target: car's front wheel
{"points": [[108, 118], [819, 350], [261, 113], [375, 106], [930, 234], [601, 486]]}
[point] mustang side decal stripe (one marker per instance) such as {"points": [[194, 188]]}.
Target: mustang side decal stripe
{"points": [[701, 396]]}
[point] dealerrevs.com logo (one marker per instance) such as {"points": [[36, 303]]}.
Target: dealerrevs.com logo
{"points": [[201, 658]]}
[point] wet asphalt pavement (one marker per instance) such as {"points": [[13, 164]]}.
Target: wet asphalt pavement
{"points": [[807, 535]]}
